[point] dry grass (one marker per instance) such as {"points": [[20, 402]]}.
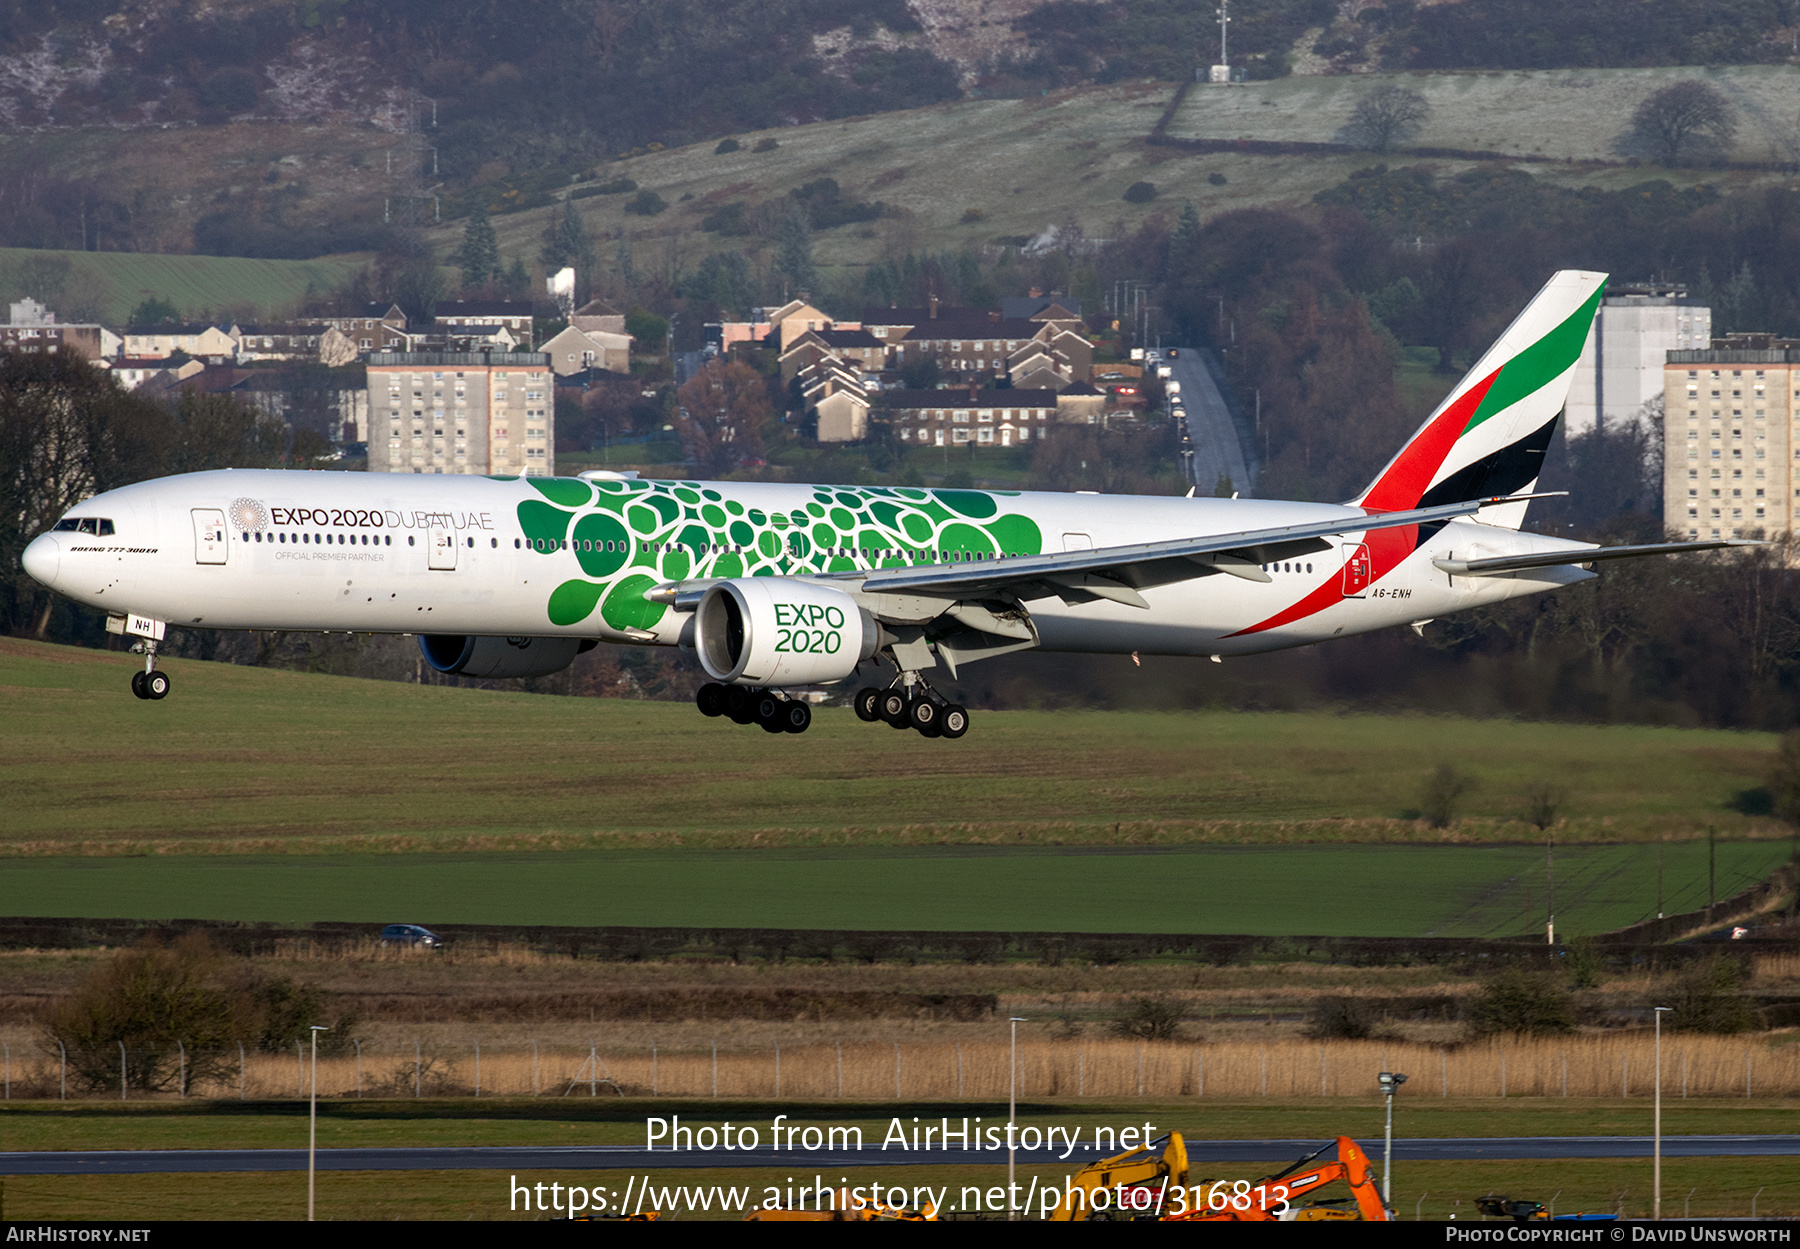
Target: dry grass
{"points": [[1619, 1065]]}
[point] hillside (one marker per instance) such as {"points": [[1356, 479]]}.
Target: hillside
{"points": [[1025, 166], [106, 286]]}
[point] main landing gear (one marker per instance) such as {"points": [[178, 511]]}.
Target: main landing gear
{"points": [[912, 704], [775, 711], [150, 683]]}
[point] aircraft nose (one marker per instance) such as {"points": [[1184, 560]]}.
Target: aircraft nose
{"points": [[42, 559]]}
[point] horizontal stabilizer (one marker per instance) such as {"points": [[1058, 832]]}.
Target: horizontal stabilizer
{"points": [[1551, 559]]}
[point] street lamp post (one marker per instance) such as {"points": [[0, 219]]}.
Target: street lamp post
{"points": [[1656, 1166], [1390, 1084], [312, 1121], [1012, 1131]]}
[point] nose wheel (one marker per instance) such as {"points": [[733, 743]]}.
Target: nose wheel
{"points": [[151, 683]]}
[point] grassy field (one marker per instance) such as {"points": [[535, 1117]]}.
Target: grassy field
{"points": [[1381, 891], [647, 813], [198, 285]]}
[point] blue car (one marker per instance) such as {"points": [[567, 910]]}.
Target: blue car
{"points": [[410, 934]]}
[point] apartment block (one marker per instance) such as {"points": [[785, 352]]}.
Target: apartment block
{"points": [[1621, 365], [487, 412], [1730, 435]]}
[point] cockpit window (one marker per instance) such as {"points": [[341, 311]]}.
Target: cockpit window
{"points": [[106, 526], [96, 525], [67, 525]]}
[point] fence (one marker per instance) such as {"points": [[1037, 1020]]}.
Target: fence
{"points": [[1586, 1067]]}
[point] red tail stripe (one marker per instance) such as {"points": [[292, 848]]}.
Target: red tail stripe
{"points": [[1405, 483]]}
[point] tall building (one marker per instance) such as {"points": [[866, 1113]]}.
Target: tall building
{"points": [[487, 412], [1621, 367], [1729, 435]]}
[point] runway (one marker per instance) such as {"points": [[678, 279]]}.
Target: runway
{"points": [[632, 1158]]}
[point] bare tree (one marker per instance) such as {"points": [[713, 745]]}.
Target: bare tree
{"points": [[1682, 114], [1385, 117], [723, 410]]}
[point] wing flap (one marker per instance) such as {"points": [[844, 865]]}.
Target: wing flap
{"points": [[1499, 565]]}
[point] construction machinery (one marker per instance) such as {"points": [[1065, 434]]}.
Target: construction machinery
{"points": [[1501, 1206], [1137, 1184], [1280, 1197]]}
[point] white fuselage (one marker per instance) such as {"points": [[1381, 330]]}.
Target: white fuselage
{"points": [[355, 552]]}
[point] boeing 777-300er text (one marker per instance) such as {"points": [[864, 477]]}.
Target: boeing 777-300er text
{"points": [[778, 586]]}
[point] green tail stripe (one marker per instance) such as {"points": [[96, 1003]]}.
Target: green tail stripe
{"points": [[1539, 364]]}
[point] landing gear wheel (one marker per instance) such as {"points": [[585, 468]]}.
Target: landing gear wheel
{"points": [[925, 716], [866, 701], [768, 710], [156, 685], [955, 720], [892, 708], [740, 703], [137, 685], [710, 698], [796, 716]]}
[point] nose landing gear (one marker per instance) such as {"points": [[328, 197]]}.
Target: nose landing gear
{"points": [[150, 683]]}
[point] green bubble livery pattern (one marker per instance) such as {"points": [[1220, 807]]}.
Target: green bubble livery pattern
{"points": [[614, 526]]}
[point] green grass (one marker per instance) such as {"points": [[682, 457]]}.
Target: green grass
{"points": [[198, 285], [1377, 891], [553, 1121], [600, 811]]}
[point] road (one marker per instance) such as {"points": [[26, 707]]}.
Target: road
{"points": [[1214, 438], [632, 1158]]}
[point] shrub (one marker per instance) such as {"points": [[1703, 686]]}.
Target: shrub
{"points": [[1342, 1019], [729, 220], [1149, 1019], [1522, 1002], [1542, 803], [1443, 794], [972, 215], [727, 145], [1217, 179], [646, 204], [765, 145], [1140, 192], [1706, 998]]}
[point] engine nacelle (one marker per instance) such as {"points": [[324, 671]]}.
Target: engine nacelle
{"points": [[501, 657], [777, 632]]}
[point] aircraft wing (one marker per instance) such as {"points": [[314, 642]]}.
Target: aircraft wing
{"points": [[1499, 564], [1119, 572]]}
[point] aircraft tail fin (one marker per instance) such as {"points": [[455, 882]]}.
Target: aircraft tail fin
{"points": [[1487, 438]]}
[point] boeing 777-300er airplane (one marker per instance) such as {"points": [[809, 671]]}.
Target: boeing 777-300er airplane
{"points": [[779, 586]]}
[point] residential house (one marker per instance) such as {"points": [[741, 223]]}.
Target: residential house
{"points": [[515, 316], [575, 350], [207, 342], [952, 417], [279, 342], [858, 348], [598, 316]]}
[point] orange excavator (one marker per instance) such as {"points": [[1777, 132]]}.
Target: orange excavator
{"points": [[1278, 1198]]}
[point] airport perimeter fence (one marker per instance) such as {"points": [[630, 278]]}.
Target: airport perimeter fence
{"points": [[1579, 1067]]}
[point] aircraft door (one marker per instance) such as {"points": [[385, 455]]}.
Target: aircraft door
{"points": [[1356, 570], [210, 539], [443, 549]]}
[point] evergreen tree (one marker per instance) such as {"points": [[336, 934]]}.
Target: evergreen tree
{"points": [[793, 250], [479, 258]]}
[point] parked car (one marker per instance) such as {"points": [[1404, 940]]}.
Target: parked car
{"points": [[410, 934]]}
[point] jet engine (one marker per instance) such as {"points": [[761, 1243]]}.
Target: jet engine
{"points": [[772, 631], [501, 657]]}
